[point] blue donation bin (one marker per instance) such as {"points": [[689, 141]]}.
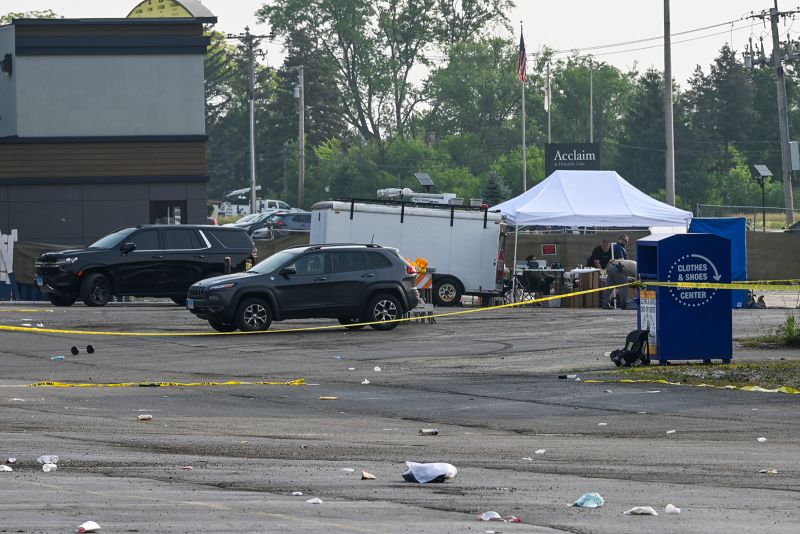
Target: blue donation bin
{"points": [[686, 323]]}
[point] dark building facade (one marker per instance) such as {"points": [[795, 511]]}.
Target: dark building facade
{"points": [[102, 126]]}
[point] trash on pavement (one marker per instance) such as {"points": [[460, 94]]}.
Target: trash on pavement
{"points": [[428, 431], [351, 368], [49, 467], [74, 350], [89, 526], [145, 417], [5, 468], [314, 500], [365, 475], [187, 467], [328, 398], [12, 460], [602, 424], [434, 472], [769, 471], [376, 369], [47, 459], [608, 391], [364, 382], [671, 431], [762, 440], [337, 357], [494, 516], [297, 494], [57, 357], [672, 509], [589, 500], [528, 458], [539, 451], [348, 470], [641, 510], [90, 349]]}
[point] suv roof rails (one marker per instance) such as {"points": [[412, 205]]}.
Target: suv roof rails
{"points": [[326, 245]]}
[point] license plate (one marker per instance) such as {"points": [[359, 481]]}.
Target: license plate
{"points": [[190, 304], [39, 281]]}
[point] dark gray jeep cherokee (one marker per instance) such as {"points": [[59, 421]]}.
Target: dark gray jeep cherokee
{"points": [[349, 282]]}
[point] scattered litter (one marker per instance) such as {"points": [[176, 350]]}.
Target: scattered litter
{"points": [[769, 471], [364, 382], [145, 417], [337, 357], [328, 398], [528, 458], [365, 475], [48, 459], [670, 431], [602, 424], [351, 368], [672, 509], [428, 431], [90, 349], [641, 412], [89, 526], [539, 451], [762, 440], [589, 500], [27, 325], [424, 473], [39, 325], [17, 399], [641, 510], [376, 369], [314, 500], [608, 391], [74, 350], [297, 494], [572, 376], [347, 470], [754, 409], [49, 467], [57, 357], [577, 379], [5, 468], [655, 391], [494, 516], [187, 467], [12, 460]]}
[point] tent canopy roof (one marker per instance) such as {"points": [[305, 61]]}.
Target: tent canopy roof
{"points": [[589, 198]]}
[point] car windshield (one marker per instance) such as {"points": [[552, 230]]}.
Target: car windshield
{"points": [[246, 218], [273, 262], [112, 240]]}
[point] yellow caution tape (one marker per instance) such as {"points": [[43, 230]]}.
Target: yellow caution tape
{"points": [[782, 389], [297, 382], [26, 329]]}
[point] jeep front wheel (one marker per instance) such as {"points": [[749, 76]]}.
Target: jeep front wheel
{"points": [[96, 289], [381, 308], [253, 314]]}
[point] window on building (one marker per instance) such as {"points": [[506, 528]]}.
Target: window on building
{"points": [[168, 212]]}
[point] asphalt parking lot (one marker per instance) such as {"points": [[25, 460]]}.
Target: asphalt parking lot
{"points": [[488, 381]]}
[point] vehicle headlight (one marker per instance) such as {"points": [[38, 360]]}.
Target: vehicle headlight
{"points": [[67, 261], [222, 286]]}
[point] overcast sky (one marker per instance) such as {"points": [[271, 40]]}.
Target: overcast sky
{"points": [[562, 24]]}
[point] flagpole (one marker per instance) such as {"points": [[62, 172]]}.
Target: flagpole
{"points": [[522, 65], [549, 103]]}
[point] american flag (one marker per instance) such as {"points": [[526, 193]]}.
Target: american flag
{"points": [[523, 59]]}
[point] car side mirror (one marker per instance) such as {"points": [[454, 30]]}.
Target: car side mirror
{"points": [[127, 248], [288, 270]]}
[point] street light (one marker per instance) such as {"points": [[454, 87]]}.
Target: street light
{"points": [[763, 174]]}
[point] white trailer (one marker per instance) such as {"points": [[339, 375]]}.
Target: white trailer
{"points": [[465, 247]]}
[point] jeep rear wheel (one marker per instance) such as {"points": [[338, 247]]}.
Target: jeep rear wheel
{"points": [[252, 314], [55, 300], [447, 292], [96, 289], [349, 323], [384, 307]]}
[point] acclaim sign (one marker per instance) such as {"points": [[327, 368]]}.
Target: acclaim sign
{"points": [[571, 156]]}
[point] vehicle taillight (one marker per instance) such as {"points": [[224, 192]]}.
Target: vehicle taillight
{"points": [[501, 266], [410, 269]]}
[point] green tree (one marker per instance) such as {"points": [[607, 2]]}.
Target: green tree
{"points": [[496, 191], [40, 14]]}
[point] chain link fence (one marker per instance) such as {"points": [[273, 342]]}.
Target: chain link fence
{"points": [[775, 218]]}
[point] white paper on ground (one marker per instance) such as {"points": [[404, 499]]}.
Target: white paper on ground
{"points": [[641, 510], [426, 472]]}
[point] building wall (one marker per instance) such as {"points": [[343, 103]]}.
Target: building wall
{"points": [[8, 85], [110, 95]]}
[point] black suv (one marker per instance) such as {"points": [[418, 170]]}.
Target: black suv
{"points": [[351, 283], [146, 261]]}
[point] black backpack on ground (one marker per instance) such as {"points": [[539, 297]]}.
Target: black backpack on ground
{"points": [[635, 351]]}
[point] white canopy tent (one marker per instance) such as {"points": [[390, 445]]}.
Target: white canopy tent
{"points": [[589, 198]]}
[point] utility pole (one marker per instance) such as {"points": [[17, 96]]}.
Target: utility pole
{"points": [[301, 135], [591, 104], [250, 42], [783, 116], [669, 133]]}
